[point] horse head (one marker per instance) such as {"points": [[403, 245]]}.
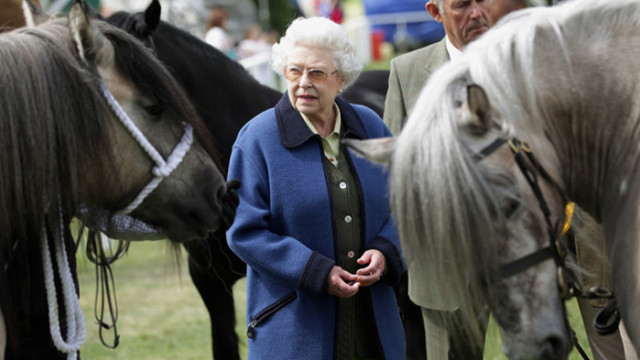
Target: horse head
{"points": [[156, 143]]}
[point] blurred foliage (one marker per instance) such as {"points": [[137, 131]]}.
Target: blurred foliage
{"points": [[282, 13]]}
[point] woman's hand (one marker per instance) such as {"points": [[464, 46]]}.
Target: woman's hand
{"points": [[341, 283], [376, 264]]}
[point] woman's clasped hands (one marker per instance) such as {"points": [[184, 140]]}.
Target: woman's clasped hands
{"points": [[344, 284]]}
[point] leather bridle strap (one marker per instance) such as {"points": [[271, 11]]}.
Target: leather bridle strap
{"points": [[529, 169], [554, 250], [523, 263]]}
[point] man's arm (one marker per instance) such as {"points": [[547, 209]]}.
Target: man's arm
{"points": [[394, 111]]}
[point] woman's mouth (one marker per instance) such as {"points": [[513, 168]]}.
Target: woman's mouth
{"points": [[306, 97]]}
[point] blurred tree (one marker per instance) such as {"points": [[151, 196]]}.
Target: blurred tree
{"points": [[281, 14]]}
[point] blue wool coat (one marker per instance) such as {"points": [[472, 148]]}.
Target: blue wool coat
{"points": [[284, 231]]}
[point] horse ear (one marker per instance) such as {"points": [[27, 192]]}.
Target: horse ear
{"points": [[378, 150], [152, 15], [478, 119], [33, 13], [93, 47]]}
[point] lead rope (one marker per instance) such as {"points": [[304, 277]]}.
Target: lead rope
{"points": [[76, 329], [163, 168]]}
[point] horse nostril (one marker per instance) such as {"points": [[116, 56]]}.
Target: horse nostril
{"points": [[553, 348]]}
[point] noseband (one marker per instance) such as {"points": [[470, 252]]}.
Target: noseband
{"points": [[163, 168]]}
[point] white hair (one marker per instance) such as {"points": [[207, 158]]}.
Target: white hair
{"points": [[322, 33]]}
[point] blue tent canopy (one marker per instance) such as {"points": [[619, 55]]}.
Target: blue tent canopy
{"points": [[403, 20]]}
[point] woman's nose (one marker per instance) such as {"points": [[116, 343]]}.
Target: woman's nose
{"points": [[305, 81]]}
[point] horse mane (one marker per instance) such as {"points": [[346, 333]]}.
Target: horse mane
{"points": [[44, 140], [134, 24], [528, 67]]}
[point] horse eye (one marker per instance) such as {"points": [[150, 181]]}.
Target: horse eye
{"points": [[510, 207], [154, 110]]}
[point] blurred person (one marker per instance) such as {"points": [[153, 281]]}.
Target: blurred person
{"points": [[216, 31], [337, 13], [252, 42], [314, 224]]}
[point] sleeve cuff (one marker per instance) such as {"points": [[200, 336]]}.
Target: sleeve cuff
{"points": [[315, 273]]}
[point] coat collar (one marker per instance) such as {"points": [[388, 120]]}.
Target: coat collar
{"points": [[294, 132]]}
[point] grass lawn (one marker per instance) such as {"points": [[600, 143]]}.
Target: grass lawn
{"points": [[162, 315]]}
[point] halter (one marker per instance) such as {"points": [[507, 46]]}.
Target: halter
{"points": [[163, 168], [530, 168]]}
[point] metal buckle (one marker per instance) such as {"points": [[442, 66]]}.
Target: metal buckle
{"points": [[566, 291]]}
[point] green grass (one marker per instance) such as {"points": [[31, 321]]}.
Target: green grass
{"points": [[163, 317]]}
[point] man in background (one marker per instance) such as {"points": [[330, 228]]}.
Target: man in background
{"points": [[464, 21]]}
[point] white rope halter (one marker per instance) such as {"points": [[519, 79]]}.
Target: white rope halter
{"points": [[163, 168], [76, 329]]}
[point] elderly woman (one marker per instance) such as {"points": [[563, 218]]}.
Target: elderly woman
{"points": [[313, 223]]}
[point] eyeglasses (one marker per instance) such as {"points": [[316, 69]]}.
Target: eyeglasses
{"points": [[315, 75]]}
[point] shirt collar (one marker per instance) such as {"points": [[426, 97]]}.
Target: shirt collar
{"points": [[336, 126], [453, 51]]}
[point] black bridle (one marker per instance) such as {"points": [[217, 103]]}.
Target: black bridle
{"points": [[606, 322], [531, 168]]}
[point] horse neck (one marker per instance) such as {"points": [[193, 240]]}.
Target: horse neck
{"points": [[579, 99], [597, 132], [225, 94]]}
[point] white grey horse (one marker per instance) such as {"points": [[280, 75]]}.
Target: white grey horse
{"points": [[565, 80]]}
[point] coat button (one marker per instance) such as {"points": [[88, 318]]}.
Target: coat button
{"points": [[343, 185], [348, 219], [351, 254]]}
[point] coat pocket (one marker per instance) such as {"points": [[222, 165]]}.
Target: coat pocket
{"points": [[269, 311]]}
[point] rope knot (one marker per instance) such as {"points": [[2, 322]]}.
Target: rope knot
{"points": [[162, 171]]}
